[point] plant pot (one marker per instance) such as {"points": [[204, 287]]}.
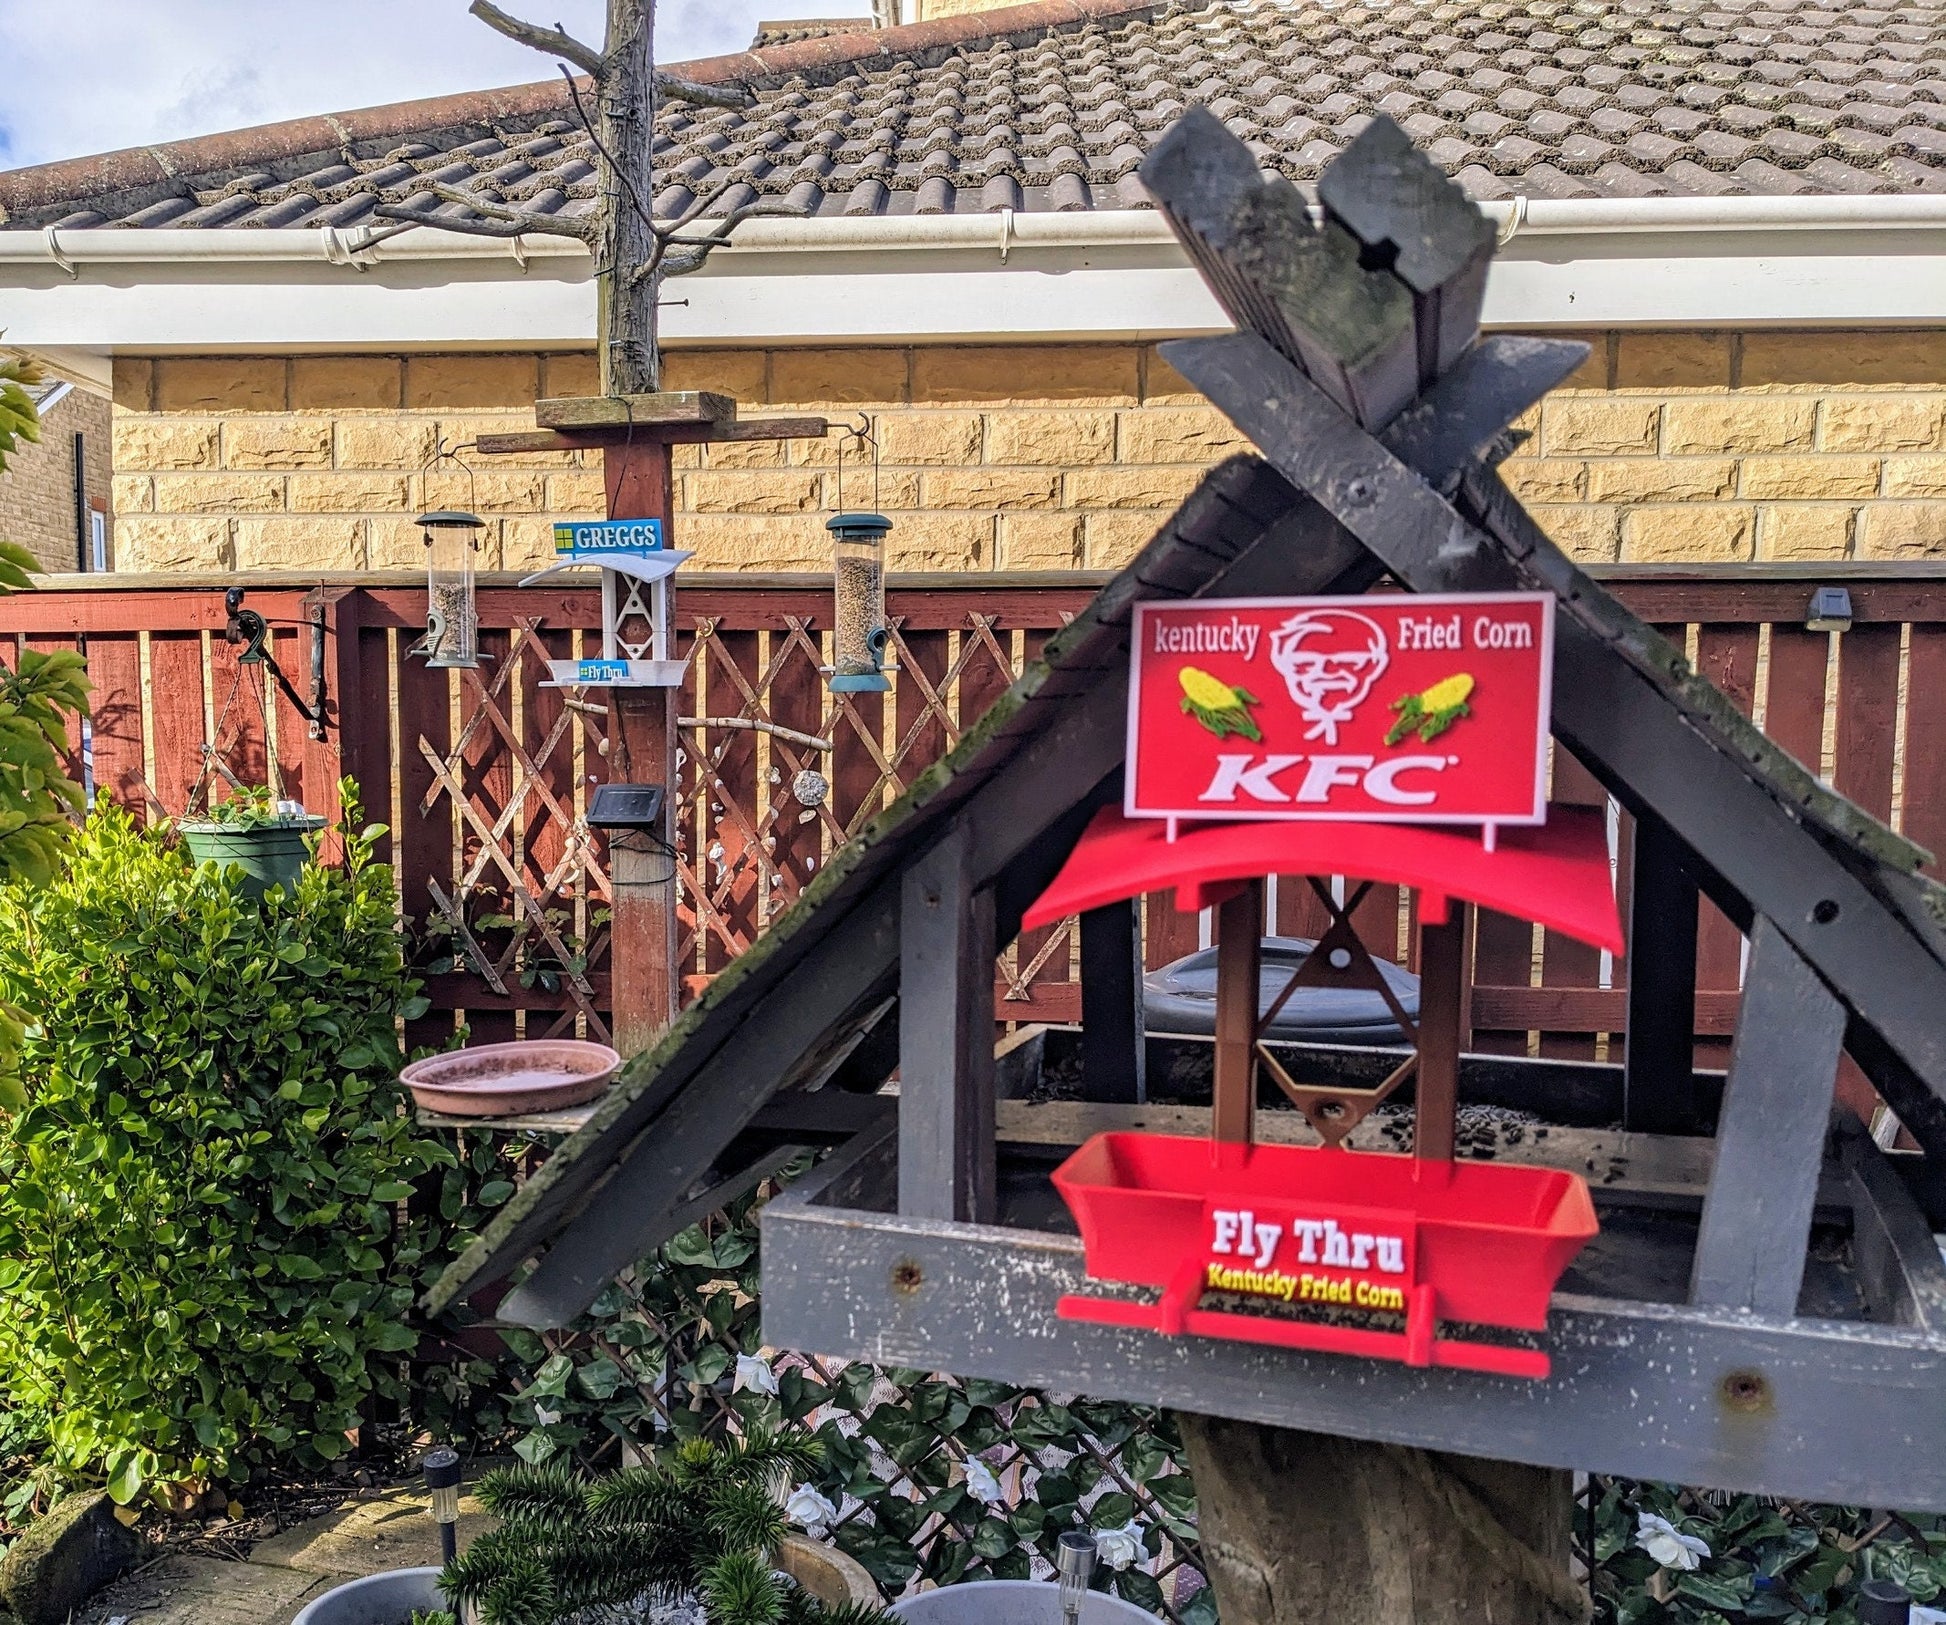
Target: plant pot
{"points": [[268, 854], [388, 1598], [1011, 1602]]}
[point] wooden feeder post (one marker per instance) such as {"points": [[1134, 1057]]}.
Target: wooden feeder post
{"points": [[637, 436]]}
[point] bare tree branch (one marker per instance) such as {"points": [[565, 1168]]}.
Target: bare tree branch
{"points": [[548, 41], [734, 97], [698, 249], [700, 206], [502, 220]]}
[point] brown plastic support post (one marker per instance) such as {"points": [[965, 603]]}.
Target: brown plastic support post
{"points": [[642, 750], [1442, 1032], [1239, 955]]}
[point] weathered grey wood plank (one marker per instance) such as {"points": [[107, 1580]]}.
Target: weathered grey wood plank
{"points": [[642, 411], [1113, 1051], [1847, 1412], [1769, 1134], [1893, 1248], [946, 952], [1658, 1071]]}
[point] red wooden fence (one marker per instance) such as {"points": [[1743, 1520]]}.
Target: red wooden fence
{"points": [[483, 777]]}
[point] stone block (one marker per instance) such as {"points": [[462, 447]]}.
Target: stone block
{"points": [[940, 541], [1902, 530], [1882, 423], [1114, 536], [219, 493], [747, 542], [810, 379], [151, 444], [222, 384], [740, 454], [1915, 476], [1178, 434], [1738, 423], [277, 442], [1785, 478], [394, 542], [740, 374], [63, 1558], [577, 494], [349, 493], [1672, 361], [1156, 487], [926, 439], [1076, 439], [171, 542], [1864, 358], [133, 384], [1027, 375], [1593, 373], [571, 373], [485, 490], [1804, 530], [1661, 479], [753, 491], [133, 493], [300, 542], [1162, 385], [1598, 424], [347, 383], [1545, 479], [1586, 534], [990, 488], [1687, 533], [408, 443], [1040, 541], [472, 383]]}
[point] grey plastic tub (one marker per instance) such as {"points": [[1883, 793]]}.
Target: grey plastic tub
{"points": [[1011, 1602], [378, 1599]]}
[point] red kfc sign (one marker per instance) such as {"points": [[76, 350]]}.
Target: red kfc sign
{"points": [[1423, 709]]}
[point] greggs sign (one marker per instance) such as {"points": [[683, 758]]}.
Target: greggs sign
{"points": [[1417, 709]]}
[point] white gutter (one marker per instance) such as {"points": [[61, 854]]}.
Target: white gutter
{"points": [[1110, 274]]}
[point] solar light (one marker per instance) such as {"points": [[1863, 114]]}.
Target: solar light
{"points": [[1883, 1602], [1074, 1563], [441, 1467], [452, 637], [1830, 611]]}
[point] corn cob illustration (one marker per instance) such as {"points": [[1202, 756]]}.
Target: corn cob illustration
{"points": [[1432, 711], [1217, 706]]}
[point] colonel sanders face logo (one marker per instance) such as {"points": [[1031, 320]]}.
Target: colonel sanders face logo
{"points": [[1329, 660]]}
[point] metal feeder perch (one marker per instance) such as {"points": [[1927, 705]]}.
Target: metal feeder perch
{"points": [[452, 639]]}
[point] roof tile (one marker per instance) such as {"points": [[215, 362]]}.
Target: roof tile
{"points": [[1049, 106]]}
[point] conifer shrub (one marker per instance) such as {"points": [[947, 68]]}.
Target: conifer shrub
{"points": [[204, 1253]]}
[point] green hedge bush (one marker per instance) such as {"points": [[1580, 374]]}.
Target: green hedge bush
{"points": [[203, 1247]]}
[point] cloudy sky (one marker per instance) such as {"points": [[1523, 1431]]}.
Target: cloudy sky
{"points": [[86, 76]]}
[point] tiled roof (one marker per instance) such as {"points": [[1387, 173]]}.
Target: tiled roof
{"points": [[1051, 106]]}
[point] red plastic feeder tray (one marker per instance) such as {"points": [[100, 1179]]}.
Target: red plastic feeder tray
{"points": [[1465, 1241]]}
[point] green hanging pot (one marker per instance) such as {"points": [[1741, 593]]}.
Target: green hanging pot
{"points": [[269, 854]]}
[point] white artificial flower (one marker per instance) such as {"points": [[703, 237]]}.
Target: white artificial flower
{"points": [[1667, 1544], [810, 1511], [546, 1415], [1120, 1547], [754, 1373], [981, 1484]]}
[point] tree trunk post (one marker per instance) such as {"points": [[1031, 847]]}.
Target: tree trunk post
{"points": [[1298, 1528], [626, 300]]}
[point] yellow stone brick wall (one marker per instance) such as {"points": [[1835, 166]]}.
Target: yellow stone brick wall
{"points": [[1666, 446]]}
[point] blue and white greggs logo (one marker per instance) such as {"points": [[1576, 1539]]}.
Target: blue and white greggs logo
{"points": [[597, 538]]}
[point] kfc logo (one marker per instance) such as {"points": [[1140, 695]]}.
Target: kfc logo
{"points": [[1329, 660]]}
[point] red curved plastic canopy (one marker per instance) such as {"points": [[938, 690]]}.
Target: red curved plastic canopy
{"points": [[1555, 874]]}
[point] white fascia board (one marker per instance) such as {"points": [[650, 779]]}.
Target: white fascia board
{"points": [[1745, 262]]}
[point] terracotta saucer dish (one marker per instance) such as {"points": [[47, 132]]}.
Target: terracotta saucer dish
{"points": [[505, 1080]]}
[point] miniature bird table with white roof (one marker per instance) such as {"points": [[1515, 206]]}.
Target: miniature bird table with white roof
{"points": [[1241, 1230]]}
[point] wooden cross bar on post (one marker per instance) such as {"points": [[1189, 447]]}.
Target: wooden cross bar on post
{"points": [[636, 435]]}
